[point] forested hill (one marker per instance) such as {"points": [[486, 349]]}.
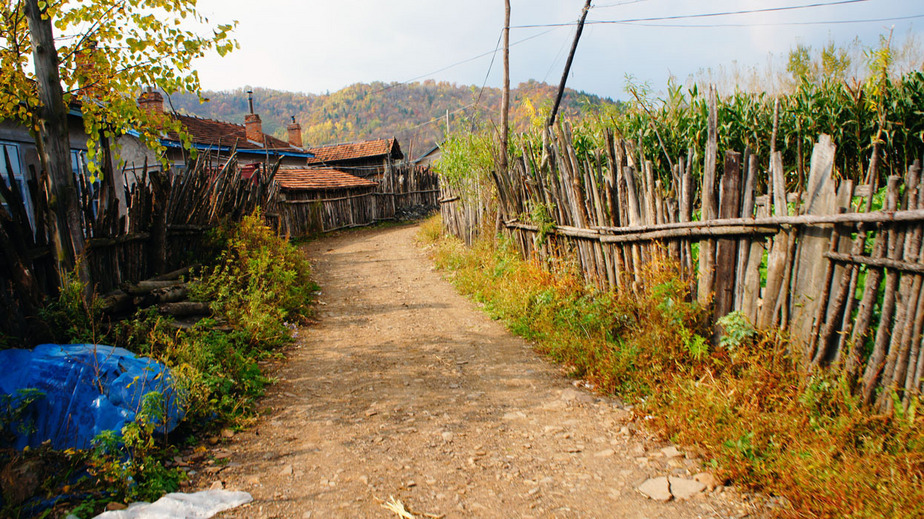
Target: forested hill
{"points": [[415, 113]]}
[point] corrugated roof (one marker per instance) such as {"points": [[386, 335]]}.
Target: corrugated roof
{"points": [[356, 150], [312, 179], [213, 133]]}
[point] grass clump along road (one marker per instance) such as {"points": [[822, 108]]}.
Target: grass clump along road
{"points": [[747, 405], [259, 288]]}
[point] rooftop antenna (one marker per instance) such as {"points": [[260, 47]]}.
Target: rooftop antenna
{"points": [[250, 99]]}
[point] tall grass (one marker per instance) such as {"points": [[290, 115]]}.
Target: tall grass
{"points": [[747, 405]]}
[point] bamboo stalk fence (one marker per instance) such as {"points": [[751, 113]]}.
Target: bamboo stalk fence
{"points": [[844, 282]]}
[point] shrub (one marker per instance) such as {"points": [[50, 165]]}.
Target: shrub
{"points": [[259, 282]]}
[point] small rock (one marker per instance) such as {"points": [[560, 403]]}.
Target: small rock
{"points": [[227, 433], [113, 505], [671, 452], [683, 489], [286, 471], [708, 479], [514, 415], [371, 412], [533, 491], [213, 440], [447, 436], [656, 488], [606, 453], [411, 484], [217, 485]]}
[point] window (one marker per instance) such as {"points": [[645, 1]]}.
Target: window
{"points": [[11, 172]]}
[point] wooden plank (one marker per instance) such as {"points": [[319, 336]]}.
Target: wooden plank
{"points": [[726, 264], [776, 262], [706, 278], [751, 290], [744, 246], [887, 242], [821, 198]]}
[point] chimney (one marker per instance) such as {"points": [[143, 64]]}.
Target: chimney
{"points": [[295, 133], [253, 126], [151, 101]]}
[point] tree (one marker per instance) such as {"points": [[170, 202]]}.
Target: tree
{"points": [[105, 52]]}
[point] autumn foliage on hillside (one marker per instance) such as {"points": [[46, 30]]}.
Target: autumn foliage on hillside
{"points": [[415, 113]]}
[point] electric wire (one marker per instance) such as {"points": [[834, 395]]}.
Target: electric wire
{"points": [[776, 24], [697, 15]]}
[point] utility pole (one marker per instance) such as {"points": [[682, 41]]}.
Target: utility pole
{"points": [[564, 76], [505, 103]]}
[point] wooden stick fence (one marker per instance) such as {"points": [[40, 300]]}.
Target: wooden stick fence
{"points": [[818, 267], [160, 222], [404, 189]]}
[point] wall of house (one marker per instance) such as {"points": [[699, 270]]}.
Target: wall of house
{"points": [[130, 155]]}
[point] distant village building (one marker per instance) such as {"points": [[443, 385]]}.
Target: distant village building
{"points": [[427, 159], [313, 200], [365, 159], [220, 138]]}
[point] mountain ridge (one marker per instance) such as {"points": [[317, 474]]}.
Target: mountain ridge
{"points": [[415, 113]]}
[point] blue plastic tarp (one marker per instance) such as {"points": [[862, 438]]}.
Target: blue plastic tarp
{"points": [[84, 389]]}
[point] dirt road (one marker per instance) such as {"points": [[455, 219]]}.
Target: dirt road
{"points": [[407, 390]]}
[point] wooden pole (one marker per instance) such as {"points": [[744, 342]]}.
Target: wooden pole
{"points": [[564, 76], [706, 277], [505, 103]]}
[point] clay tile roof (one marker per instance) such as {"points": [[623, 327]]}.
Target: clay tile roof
{"points": [[213, 133], [319, 178], [356, 150]]}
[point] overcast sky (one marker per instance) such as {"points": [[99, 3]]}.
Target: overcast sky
{"points": [[324, 45]]}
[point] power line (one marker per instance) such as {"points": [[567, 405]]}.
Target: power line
{"points": [[488, 73], [618, 4], [775, 24], [693, 16], [462, 62]]}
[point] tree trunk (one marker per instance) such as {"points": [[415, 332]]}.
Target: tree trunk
{"points": [[55, 148]]}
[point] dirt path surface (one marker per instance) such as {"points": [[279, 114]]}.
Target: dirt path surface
{"points": [[407, 389]]}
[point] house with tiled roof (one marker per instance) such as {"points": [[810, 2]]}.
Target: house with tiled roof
{"points": [[220, 138], [365, 159]]}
